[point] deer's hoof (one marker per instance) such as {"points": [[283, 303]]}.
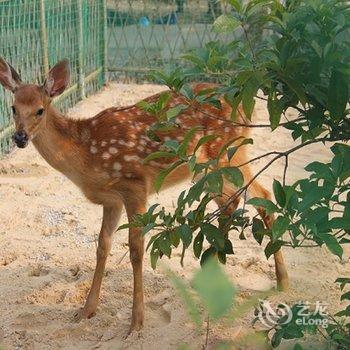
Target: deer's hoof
{"points": [[135, 327], [83, 313], [283, 285]]}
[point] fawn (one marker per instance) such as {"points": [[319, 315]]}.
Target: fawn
{"points": [[104, 156]]}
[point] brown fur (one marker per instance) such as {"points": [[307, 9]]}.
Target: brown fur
{"points": [[104, 156]]}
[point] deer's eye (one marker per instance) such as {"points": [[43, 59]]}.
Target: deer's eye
{"points": [[13, 109], [40, 112]]}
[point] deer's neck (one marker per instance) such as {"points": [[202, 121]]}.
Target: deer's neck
{"points": [[58, 142]]}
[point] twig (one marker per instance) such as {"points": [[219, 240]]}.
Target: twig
{"points": [[281, 154], [122, 258], [285, 170], [207, 334]]}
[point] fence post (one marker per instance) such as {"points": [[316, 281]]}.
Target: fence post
{"points": [[104, 43], [43, 37], [80, 66]]}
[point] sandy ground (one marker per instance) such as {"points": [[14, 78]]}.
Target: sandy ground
{"points": [[47, 256]]}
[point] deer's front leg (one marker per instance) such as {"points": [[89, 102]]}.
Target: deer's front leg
{"points": [[136, 246], [110, 220]]}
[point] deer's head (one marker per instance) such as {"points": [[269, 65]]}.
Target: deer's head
{"points": [[31, 102]]}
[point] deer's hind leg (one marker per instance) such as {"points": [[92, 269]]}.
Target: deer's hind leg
{"points": [[110, 220], [257, 190], [135, 203]]}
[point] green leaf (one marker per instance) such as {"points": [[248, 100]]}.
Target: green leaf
{"points": [[164, 173], [258, 229], [214, 288], [213, 235], [148, 228], [248, 93], [297, 89], [225, 23], [160, 154], [203, 140], [279, 227], [214, 182], [164, 244], [207, 254], [144, 105], [231, 151], [236, 4], [272, 248], [154, 255], [338, 95], [163, 99], [339, 223], [234, 175], [228, 248], [198, 245], [186, 295], [185, 234], [279, 193], [343, 282], [345, 296], [175, 111], [332, 244], [277, 338], [269, 206], [184, 145], [275, 108]]}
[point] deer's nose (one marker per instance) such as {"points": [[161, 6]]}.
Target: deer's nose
{"points": [[21, 139]]}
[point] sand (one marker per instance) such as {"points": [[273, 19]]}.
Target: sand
{"points": [[47, 256]]}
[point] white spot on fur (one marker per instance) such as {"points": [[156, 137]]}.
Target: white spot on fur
{"points": [[140, 148], [114, 127], [227, 129], [93, 149], [104, 143], [94, 122], [143, 142], [112, 150], [131, 158], [113, 141], [93, 142], [117, 166], [106, 155], [130, 144]]}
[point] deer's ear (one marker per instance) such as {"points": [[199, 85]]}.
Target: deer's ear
{"points": [[9, 78], [57, 79]]}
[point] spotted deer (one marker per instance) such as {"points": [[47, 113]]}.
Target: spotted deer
{"points": [[104, 156]]}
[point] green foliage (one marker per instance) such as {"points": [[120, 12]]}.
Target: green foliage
{"points": [[295, 56], [336, 329], [219, 286], [206, 294]]}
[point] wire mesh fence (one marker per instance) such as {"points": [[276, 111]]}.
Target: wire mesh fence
{"points": [[146, 35], [35, 34]]}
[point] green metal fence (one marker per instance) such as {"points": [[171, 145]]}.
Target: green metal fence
{"points": [[35, 34], [144, 35]]}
